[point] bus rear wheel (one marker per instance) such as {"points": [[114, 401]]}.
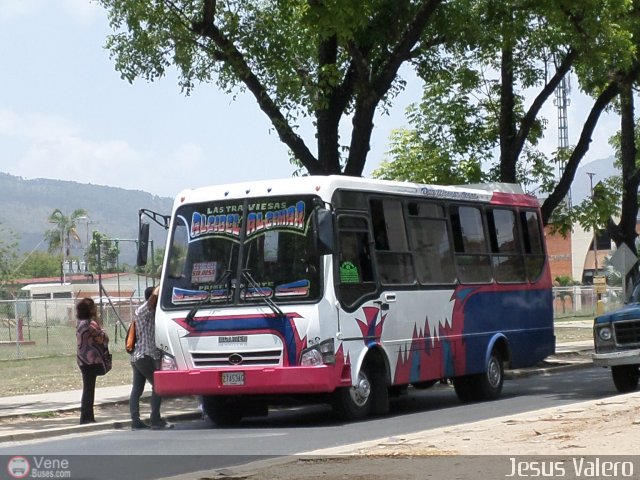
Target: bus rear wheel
{"points": [[625, 377], [223, 411], [483, 386]]}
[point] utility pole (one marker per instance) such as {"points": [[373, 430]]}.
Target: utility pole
{"points": [[599, 283], [595, 236]]}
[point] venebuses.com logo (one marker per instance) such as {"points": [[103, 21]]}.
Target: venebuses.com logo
{"points": [[18, 467], [38, 467]]}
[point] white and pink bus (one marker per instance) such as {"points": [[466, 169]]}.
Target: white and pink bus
{"points": [[348, 290]]}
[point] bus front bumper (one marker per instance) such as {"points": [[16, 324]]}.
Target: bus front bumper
{"points": [[254, 381]]}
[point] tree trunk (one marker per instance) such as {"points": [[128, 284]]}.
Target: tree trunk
{"points": [[626, 228], [507, 116], [582, 147]]}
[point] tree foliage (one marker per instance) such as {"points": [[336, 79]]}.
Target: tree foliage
{"points": [[488, 68], [65, 232], [485, 89], [8, 254], [38, 264], [102, 254], [327, 61]]}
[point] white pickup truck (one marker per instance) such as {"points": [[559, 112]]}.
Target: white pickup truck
{"points": [[616, 338]]}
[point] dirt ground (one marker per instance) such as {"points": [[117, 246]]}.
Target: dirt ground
{"points": [[573, 438]]}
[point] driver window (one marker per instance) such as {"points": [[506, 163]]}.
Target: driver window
{"points": [[355, 272]]}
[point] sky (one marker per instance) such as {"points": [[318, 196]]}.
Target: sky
{"points": [[66, 114]]}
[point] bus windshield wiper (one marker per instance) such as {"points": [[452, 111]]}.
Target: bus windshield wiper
{"points": [[192, 313], [270, 303]]}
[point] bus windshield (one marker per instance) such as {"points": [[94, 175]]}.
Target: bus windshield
{"points": [[243, 252]]}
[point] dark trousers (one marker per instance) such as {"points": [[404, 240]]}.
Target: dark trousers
{"points": [[142, 372], [89, 375]]}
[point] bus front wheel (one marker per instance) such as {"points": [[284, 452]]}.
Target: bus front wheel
{"points": [[223, 411], [625, 377], [370, 395]]}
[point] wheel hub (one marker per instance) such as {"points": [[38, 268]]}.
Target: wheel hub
{"points": [[361, 391], [493, 373]]}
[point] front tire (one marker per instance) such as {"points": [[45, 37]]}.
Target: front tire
{"points": [[222, 411], [370, 395], [625, 377]]}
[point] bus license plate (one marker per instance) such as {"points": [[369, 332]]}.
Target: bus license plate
{"points": [[232, 378]]}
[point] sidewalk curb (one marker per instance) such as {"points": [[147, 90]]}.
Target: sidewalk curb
{"points": [[91, 427], [567, 367]]}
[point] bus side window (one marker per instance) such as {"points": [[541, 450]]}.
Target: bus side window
{"points": [[533, 244], [430, 243], [508, 264], [393, 258], [471, 253]]}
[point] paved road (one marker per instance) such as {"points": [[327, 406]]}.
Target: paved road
{"points": [[295, 430]]}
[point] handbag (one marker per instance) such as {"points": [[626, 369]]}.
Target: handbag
{"points": [[130, 341], [107, 359]]}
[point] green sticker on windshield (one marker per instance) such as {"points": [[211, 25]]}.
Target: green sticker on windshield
{"points": [[349, 273]]}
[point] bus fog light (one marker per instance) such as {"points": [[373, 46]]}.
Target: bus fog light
{"points": [[605, 334], [311, 358]]}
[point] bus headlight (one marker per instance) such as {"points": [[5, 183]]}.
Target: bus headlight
{"points": [[168, 362], [605, 334], [320, 354]]}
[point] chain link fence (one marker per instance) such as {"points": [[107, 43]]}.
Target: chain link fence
{"points": [[582, 301], [46, 328]]}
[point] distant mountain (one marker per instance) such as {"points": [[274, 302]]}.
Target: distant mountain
{"points": [[25, 206], [602, 169]]}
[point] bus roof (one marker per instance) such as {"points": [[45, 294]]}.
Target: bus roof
{"points": [[324, 186]]}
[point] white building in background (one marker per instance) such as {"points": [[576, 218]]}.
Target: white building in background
{"points": [[54, 302]]}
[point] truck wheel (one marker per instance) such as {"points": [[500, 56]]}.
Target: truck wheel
{"points": [[625, 377], [223, 411]]}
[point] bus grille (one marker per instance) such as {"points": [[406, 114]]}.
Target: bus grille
{"points": [[627, 333], [226, 359]]}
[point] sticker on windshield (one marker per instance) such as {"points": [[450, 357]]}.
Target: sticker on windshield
{"points": [[182, 295], [299, 288], [204, 272], [258, 292]]}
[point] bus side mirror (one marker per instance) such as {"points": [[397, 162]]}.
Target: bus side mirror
{"points": [[324, 233], [143, 244]]}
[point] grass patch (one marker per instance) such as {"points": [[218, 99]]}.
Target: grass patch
{"points": [[56, 340], [43, 415], [56, 374]]}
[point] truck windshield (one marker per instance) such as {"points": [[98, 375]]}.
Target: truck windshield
{"points": [[242, 252]]}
